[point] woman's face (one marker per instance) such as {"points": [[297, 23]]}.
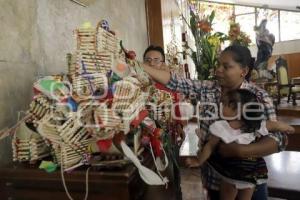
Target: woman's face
{"points": [[154, 59], [229, 73]]}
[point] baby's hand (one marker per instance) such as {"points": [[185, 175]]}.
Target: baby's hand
{"points": [[192, 162], [285, 128]]}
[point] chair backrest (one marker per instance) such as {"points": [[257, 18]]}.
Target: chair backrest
{"points": [[282, 71]]}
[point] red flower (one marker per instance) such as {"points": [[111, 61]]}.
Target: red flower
{"points": [[204, 26]]}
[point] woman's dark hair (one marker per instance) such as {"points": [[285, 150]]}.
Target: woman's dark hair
{"points": [[252, 113], [155, 48], [242, 55]]}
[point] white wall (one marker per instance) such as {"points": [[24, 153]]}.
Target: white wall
{"points": [[56, 20]]}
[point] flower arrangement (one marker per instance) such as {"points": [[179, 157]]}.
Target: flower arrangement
{"points": [[207, 44], [236, 36]]}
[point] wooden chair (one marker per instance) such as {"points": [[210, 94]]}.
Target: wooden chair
{"points": [[295, 89], [285, 87]]}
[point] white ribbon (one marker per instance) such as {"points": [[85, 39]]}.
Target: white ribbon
{"points": [[160, 166], [149, 176]]}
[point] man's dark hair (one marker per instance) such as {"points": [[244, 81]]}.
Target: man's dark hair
{"points": [[155, 48]]}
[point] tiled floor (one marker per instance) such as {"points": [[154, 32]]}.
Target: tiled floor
{"points": [[191, 185]]}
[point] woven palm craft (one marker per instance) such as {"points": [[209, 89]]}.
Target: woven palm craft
{"points": [[71, 130]]}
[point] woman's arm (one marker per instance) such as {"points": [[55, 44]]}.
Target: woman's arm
{"points": [[177, 83], [265, 146], [277, 126], [161, 76]]}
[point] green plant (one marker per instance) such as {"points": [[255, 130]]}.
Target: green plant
{"points": [[207, 44]]}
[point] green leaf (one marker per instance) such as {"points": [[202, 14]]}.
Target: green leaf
{"points": [[193, 23], [212, 16]]}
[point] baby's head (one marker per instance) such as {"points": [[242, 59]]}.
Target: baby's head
{"points": [[244, 105]]}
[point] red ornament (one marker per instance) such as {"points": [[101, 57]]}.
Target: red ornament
{"points": [[130, 55]]}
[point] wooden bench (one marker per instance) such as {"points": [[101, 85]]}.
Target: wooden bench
{"points": [[284, 175]]}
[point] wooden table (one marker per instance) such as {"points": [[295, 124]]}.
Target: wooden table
{"points": [[284, 175], [24, 181], [296, 80]]}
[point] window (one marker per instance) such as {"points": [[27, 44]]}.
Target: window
{"points": [[247, 23], [239, 10], [223, 13], [273, 21], [284, 25], [289, 25]]}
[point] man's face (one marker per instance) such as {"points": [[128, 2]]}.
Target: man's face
{"points": [[154, 59]]}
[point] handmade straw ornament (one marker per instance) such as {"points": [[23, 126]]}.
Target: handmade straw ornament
{"points": [[106, 41], [28, 145], [89, 83], [48, 130], [40, 107]]}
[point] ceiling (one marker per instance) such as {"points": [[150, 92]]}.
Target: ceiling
{"points": [[280, 4]]}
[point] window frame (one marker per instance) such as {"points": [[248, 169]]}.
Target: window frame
{"points": [[256, 15]]}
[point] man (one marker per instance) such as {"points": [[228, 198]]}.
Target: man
{"points": [[154, 56]]}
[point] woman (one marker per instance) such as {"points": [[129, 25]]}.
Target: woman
{"points": [[232, 73]]}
